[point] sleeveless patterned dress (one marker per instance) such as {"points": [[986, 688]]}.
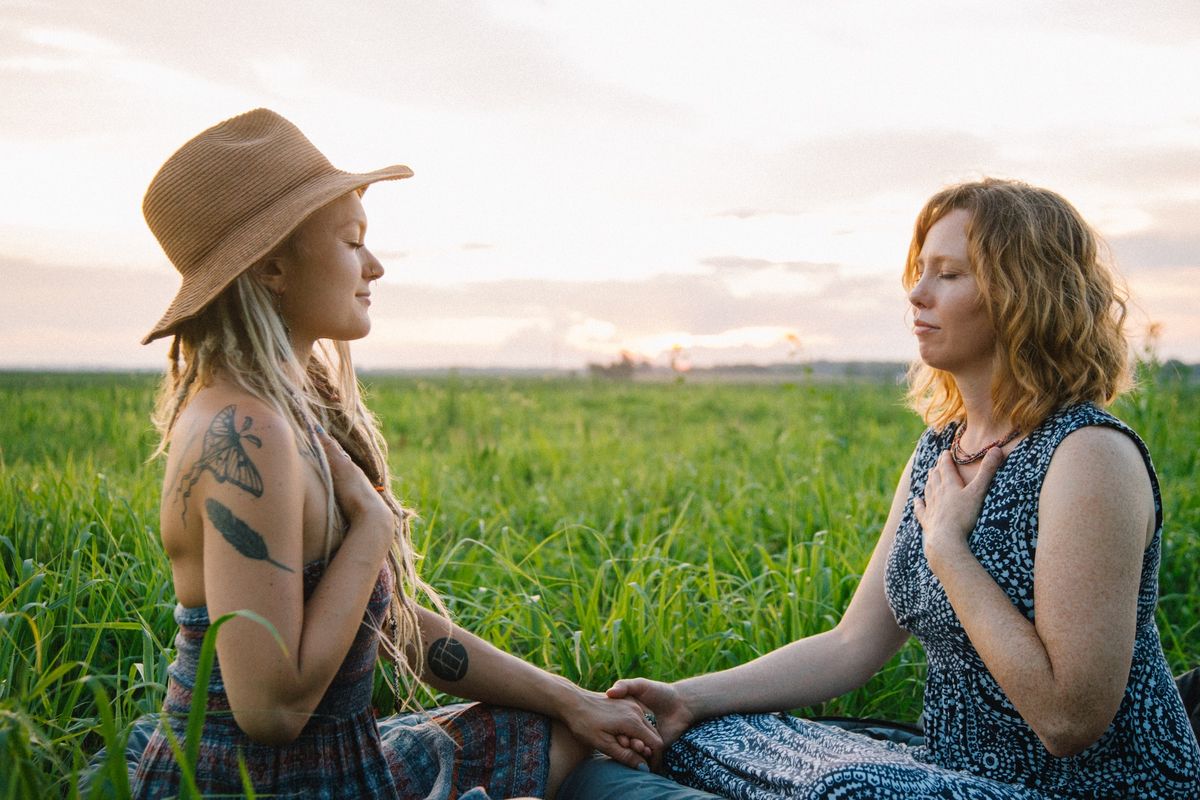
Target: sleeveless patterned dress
{"points": [[977, 745], [467, 751]]}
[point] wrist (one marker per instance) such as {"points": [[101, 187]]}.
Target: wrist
{"points": [[693, 700], [564, 700], [368, 538], [372, 512], [945, 554]]}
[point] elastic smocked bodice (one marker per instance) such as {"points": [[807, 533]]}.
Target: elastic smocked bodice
{"points": [[348, 694]]}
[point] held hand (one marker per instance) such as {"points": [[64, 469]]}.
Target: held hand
{"points": [[950, 508], [353, 492], [672, 715], [617, 728]]}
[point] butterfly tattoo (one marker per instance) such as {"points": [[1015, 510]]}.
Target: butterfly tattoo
{"points": [[224, 455]]}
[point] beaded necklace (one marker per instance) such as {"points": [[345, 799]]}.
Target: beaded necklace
{"points": [[961, 457]]}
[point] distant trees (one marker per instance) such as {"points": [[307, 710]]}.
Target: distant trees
{"points": [[620, 370]]}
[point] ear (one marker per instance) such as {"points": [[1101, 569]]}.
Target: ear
{"points": [[270, 273]]}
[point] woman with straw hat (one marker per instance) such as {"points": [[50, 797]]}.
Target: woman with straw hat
{"points": [[277, 501]]}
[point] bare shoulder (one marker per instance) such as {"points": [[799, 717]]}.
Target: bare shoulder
{"points": [[233, 460], [1097, 473], [228, 438], [1099, 452], [223, 418]]}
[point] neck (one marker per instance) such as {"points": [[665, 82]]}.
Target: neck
{"points": [[984, 423], [302, 350]]}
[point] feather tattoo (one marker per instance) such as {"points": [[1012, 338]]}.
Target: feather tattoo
{"points": [[243, 538], [225, 457]]}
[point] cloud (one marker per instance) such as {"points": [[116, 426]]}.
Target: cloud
{"points": [[72, 41], [741, 264], [818, 173], [861, 317], [1170, 22], [751, 213], [1172, 239], [73, 317], [52, 315]]}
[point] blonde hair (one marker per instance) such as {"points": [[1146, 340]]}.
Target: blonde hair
{"points": [[1056, 306], [242, 335]]}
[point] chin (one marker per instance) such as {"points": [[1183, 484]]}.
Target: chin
{"points": [[358, 330], [928, 359]]}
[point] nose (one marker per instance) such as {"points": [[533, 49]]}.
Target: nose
{"points": [[373, 267], [918, 295]]}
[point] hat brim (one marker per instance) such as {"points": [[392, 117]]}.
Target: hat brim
{"points": [[257, 236]]}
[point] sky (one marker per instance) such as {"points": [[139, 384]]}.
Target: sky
{"points": [[733, 182]]}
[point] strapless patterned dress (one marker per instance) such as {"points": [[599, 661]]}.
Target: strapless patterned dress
{"points": [[467, 751]]}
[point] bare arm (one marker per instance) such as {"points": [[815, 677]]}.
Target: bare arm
{"points": [[462, 664], [1066, 672], [253, 560], [803, 673]]}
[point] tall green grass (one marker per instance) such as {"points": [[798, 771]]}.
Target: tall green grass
{"points": [[599, 529]]}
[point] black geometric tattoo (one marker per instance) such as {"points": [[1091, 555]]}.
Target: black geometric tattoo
{"points": [[243, 538], [225, 457], [448, 659]]}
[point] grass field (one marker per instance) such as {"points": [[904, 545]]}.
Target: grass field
{"points": [[598, 529]]}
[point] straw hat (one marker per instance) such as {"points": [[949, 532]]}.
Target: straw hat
{"points": [[231, 195]]}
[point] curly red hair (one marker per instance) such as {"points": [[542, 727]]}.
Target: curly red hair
{"points": [[1056, 305]]}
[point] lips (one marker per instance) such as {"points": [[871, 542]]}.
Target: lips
{"points": [[920, 327]]}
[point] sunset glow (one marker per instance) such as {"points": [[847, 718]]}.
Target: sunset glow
{"points": [[728, 187]]}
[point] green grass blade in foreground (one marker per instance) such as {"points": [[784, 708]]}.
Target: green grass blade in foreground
{"points": [[112, 776], [199, 707]]}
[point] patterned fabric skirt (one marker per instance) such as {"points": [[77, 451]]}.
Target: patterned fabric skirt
{"points": [[467, 751], [769, 756]]}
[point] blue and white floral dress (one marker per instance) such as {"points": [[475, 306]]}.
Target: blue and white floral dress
{"points": [[977, 745]]}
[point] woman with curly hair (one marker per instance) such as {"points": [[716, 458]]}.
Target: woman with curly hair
{"points": [[278, 502], [1021, 549]]}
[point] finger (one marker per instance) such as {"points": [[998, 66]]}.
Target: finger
{"points": [[332, 446], [649, 736], [987, 469], [947, 470], [648, 747], [627, 687], [625, 756], [919, 510], [623, 740]]}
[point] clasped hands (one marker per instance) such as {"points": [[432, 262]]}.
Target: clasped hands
{"points": [[633, 722], [661, 705]]}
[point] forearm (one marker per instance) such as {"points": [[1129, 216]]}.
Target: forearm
{"points": [[803, 673], [459, 663], [272, 689], [334, 612]]}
